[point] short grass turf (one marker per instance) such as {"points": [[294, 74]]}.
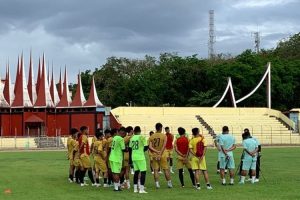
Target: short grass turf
{"points": [[43, 175]]}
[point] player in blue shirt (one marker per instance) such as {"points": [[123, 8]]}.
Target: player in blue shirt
{"points": [[250, 146], [227, 145]]}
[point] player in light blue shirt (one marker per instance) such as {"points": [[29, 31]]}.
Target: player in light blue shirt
{"points": [[227, 144], [250, 146]]}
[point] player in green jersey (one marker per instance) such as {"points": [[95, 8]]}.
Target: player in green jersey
{"points": [[137, 146], [116, 157]]}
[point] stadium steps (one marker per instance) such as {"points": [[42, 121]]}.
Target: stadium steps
{"points": [[49, 142], [282, 122]]}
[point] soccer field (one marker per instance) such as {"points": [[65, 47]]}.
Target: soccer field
{"points": [[43, 175]]}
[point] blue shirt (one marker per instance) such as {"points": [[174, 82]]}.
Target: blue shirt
{"points": [[250, 145], [226, 141]]}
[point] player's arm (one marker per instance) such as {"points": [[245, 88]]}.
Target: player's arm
{"points": [[151, 147], [164, 146], [176, 150], [223, 150], [233, 147]]}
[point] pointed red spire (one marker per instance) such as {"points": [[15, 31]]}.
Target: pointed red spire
{"points": [[60, 85], [3, 102], [8, 91], [65, 100], [31, 85], [44, 97], [17, 76], [21, 95], [38, 80], [79, 99], [93, 100], [53, 90]]}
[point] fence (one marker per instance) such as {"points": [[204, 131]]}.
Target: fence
{"points": [[265, 136]]}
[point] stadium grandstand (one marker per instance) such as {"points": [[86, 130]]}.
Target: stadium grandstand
{"points": [[270, 126]]}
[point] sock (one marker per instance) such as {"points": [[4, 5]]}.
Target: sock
{"points": [[157, 183], [192, 176], [143, 178], [253, 179], [105, 181], [97, 180], [83, 175], [136, 177], [198, 185], [171, 163], [139, 182], [122, 179], [135, 186], [71, 177], [169, 182], [231, 180], [224, 181], [77, 175], [91, 176], [142, 188], [180, 174], [242, 179], [116, 186]]}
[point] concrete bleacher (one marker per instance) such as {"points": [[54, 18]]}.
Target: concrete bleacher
{"points": [[268, 125], [18, 143]]}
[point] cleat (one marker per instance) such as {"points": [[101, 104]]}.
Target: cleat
{"points": [[198, 188], [143, 192], [70, 180], [231, 184], [105, 185], [224, 184], [209, 187], [135, 191], [241, 183], [256, 180]]}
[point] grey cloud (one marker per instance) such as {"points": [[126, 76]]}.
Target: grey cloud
{"points": [[82, 34]]}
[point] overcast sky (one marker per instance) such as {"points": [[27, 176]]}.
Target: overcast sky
{"points": [[82, 34]]}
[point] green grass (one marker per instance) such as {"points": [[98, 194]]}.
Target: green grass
{"points": [[43, 175]]}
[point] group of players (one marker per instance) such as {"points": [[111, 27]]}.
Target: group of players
{"points": [[115, 152]]}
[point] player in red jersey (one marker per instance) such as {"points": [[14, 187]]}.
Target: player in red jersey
{"points": [[182, 150], [169, 147]]}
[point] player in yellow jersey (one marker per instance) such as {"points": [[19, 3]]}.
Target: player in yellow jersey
{"points": [[100, 155], [70, 146], [198, 146], [157, 145], [150, 153], [126, 164], [108, 136], [84, 151], [92, 151], [76, 158]]}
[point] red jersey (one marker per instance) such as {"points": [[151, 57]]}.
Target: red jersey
{"points": [[182, 144], [169, 144], [83, 139]]}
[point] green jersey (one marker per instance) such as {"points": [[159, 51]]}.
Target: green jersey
{"points": [[117, 147], [137, 144]]}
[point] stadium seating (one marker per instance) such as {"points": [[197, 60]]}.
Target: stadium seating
{"points": [[271, 127], [18, 143]]}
